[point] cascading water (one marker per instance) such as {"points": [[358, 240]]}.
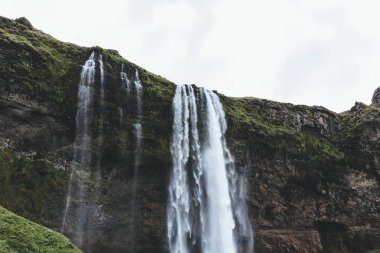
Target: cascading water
{"points": [[178, 223], [236, 185], [82, 145], [94, 211], [220, 223], [101, 67], [138, 89], [137, 129], [126, 84], [133, 93], [85, 211], [207, 211]]}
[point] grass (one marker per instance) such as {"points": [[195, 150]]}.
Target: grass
{"points": [[271, 124], [23, 236]]}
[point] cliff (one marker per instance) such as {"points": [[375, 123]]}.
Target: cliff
{"points": [[312, 175]]}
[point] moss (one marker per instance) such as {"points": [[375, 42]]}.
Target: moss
{"points": [[20, 235], [270, 126], [319, 148], [39, 64], [34, 189]]}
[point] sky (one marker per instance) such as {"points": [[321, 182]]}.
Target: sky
{"points": [[313, 52]]}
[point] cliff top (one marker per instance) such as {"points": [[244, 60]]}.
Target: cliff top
{"points": [[45, 70]]}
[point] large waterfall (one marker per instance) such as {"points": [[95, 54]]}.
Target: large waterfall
{"points": [[207, 211]]}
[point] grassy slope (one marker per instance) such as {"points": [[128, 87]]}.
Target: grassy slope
{"points": [[20, 235]]}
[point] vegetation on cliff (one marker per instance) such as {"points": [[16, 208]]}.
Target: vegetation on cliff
{"points": [[294, 130], [31, 188], [20, 235]]}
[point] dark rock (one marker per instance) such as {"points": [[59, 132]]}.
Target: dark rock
{"points": [[376, 97], [24, 22]]}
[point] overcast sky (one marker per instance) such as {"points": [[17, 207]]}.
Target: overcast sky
{"points": [[315, 52]]}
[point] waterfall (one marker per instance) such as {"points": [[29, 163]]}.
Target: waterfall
{"points": [[126, 87], [82, 145], [93, 210], [236, 185], [101, 67], [178, 222], [207, 211], [134, 93], [220, 223], [137, 129], [125, 81], [138, 89]]}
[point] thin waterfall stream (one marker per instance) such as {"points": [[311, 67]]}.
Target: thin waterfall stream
{"points": [[85, 207], [137, 130], [82, 146]]}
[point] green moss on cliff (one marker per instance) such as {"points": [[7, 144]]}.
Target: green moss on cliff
{"points": [[28, 187], [273, 127], [20, 235], [41, 63]]}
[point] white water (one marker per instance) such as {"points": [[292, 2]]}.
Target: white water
{"points": [[82, 145], [138, 89], [178, 222], [137, 127], [126, 84], [101, 67], [91, 209], [236, 184], [220, 223], [137, 130], [201, 217]]}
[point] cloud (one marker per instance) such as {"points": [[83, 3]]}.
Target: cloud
{"points": [[311, 52]]}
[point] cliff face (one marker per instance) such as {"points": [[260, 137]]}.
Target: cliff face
{"points": [[312, 175]]}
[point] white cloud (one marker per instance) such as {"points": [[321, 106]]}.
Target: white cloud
{"points": [[312, 52]]}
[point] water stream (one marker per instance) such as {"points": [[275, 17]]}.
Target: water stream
{"points": [[207, 211], [82, 148]]}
